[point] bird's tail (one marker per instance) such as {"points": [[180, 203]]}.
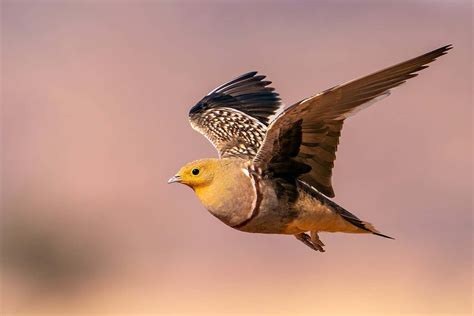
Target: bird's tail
{"points": [[368, 227], [354, 220], [345, 214]]}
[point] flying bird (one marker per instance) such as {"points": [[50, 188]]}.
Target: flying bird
{"points": [[273, 174]]}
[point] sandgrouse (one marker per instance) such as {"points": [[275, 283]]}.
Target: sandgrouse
{"points": [[274, 175]]}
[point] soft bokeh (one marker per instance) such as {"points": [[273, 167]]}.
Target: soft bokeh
{"points": [[95, 97]]}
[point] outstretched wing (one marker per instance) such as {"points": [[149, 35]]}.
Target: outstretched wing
{"points": [[319, 120], [235, 116]]}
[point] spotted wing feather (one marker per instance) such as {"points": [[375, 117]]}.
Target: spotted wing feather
{"points": [[235, 116]]}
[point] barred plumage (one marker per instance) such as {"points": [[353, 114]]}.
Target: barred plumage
{"points": [[231, 131], [234, 116]]}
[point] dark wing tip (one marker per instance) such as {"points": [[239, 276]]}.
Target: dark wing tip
{"points": [[248, 93], [202, 104], [242, 77], [197, 108], [440, 51], [248, 74], [433, 55], [447, 47]]}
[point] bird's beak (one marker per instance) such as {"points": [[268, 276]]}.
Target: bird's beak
{"points": [[174, 179]]}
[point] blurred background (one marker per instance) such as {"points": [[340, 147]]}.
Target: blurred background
{"points": [[94, 99]]}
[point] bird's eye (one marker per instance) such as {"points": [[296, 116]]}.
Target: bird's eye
{"points": [[195, 172]]}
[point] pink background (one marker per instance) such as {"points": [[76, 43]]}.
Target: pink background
{"points": [[95, 96]]}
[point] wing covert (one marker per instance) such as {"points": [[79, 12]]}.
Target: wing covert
{"points": [[234, 117]]}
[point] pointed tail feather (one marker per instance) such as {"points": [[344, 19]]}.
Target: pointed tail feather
{"points": [[348, 216], [354, 220], [369, 227]]}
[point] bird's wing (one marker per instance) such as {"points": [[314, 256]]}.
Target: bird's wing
{"points": [[308, 132], [234, 117]]}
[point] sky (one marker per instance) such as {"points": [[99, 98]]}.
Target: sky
{"points": [[94, 99]]}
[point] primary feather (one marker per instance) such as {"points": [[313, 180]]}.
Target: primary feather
{"points": [[323, 115]]}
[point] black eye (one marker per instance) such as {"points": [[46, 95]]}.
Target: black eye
{"points": [[195, 172]]}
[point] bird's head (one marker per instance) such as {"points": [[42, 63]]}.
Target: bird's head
{"points": [[199, 173]]}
